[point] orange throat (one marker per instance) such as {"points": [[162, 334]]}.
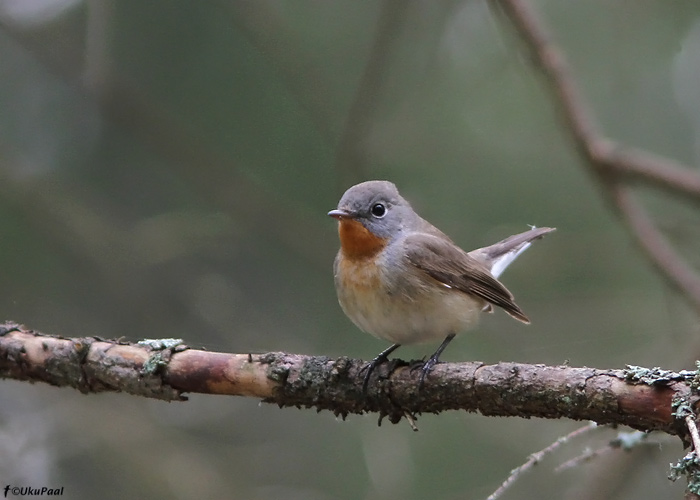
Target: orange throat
{"points": [[357, 242]]}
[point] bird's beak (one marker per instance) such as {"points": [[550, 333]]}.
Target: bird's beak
{"points": [[339, 214]]}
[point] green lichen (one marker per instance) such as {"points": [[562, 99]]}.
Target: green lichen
{"points": [[656, 375], [681, 407], [688, 466], [154, 364], [160, 344], [159, 360], [695, 381]]}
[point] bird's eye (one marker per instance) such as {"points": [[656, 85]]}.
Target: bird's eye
{"points": [[378, 210]]}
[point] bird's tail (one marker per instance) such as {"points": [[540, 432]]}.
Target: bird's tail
{"points": [[498, 256]]}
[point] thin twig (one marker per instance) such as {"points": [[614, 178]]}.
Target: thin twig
{"points": [[693, 428], [586, 456], [624, 440], [535, 458], [98, 36], [350, 161], [411, 421]]}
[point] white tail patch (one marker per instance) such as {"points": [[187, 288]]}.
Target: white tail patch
{"points": [[501, 263]]}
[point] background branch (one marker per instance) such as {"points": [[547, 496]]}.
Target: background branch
{"points": [[612, 163]]}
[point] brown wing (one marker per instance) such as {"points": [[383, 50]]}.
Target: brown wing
{"points": [[443, 261]]}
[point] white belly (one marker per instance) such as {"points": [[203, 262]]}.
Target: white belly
{"points": [[423, 315]]}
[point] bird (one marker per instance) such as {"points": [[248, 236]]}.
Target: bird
{"points": [[401, 279]]}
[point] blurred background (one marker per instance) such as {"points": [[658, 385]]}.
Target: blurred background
{"points": [[165, 171]]}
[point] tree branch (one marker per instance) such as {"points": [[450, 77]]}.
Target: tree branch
{"points": [[603, 154], [165, 369], [350, 158], [613, 164], [654, 244]]}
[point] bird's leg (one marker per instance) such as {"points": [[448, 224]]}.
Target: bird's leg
{"points": [[381, 357], [433, 360]]}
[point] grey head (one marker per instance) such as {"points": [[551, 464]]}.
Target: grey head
{"points": [[379, 207]]}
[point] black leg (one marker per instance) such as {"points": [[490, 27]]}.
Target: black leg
{"points": [[381, 357], [433, 360]]}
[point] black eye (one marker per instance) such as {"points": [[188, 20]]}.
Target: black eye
{"points": [[378, 210]]}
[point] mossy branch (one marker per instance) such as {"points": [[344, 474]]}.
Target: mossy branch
{"points": [[166, 369]]}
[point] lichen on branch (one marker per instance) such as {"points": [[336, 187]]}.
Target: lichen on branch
{"points": [[167, 369]]}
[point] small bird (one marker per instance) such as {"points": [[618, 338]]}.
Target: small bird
{"points": [[403, 280]]}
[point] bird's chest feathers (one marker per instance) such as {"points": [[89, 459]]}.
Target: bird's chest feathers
{"points": [[357, 242], [361, 291], [359, 278]]}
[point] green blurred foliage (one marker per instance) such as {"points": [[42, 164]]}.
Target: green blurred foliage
{"points": [[166, 170]]}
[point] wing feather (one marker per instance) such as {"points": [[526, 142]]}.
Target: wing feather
{"points": [[445, 262]]}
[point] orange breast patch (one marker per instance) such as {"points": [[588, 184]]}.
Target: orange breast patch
{"points": [[357, 242]]}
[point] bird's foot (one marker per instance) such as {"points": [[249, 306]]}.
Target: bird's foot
{"points": [[432, 361], [425, 369], [369, 367]]}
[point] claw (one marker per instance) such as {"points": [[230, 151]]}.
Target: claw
{"points": [[369, 367], [425, 369], [381, 358], [433, 360]]}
